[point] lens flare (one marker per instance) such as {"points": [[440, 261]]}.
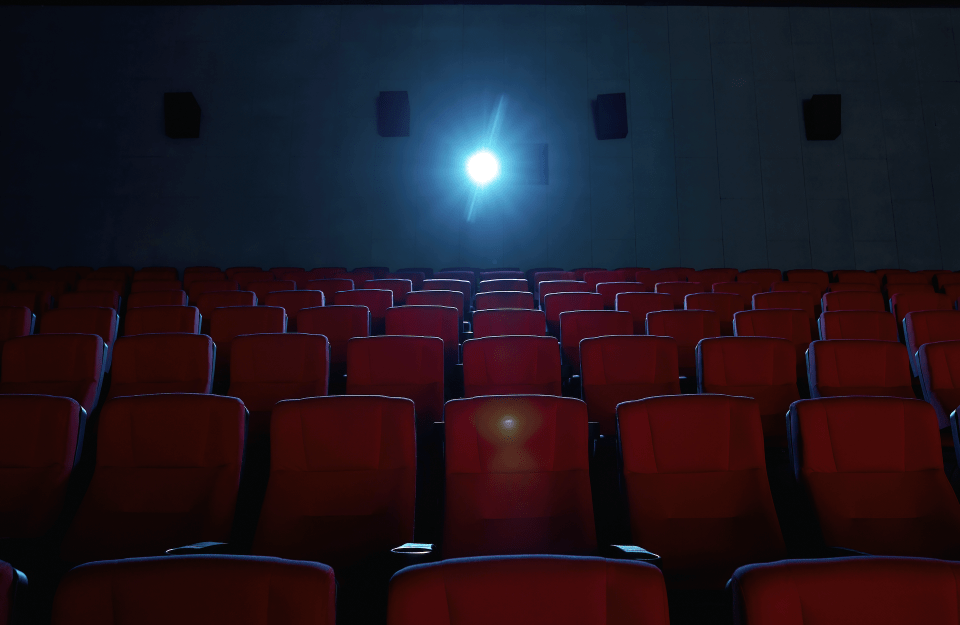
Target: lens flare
{"points": [[483, 167]]}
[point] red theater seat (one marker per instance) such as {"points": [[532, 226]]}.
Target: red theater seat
{"points": [[556, 303], [763, 277], [160, 319], [577, 325], [359, 278], [342, 479], [262, 289], [246, 278], [659, 275], [399, 366], [293, 302], [852, 300], [91, 283], [679, 290], [229, 322], [505, 322], [536, 590], [696, 485], [713, 276], [615, 369], [792, 325], [198, 590], [687, 327], [68, 365], [221, 299], [822, 278], [15, 321], [639, 304], [503, 299], [463, 286], [146, 364], [904, 303], [929, 326], [549, 276], [858, 277], [873, 469], [439, 321], [908, 278], [103, 322], [944, 280], [763, 368], [39, 444], [517, 477], [836, 287], [157, 298], [894, 289], [502, 275], [726, 305], [189, 278], [378, 271], [793, 300], [329, 287], [548, 287], [505, 284], [468, 276], [940, 378], [231, 272], [511, 365], [746, 290], [401, 288], [280, 272], [416, 278], [437, 298], [197, 289], [339, 324], [610, 290], [593, 278], [858, 367], [32, 300], [87, 299], [377, 302], [146, 286], [858, 324], [167, 473]]}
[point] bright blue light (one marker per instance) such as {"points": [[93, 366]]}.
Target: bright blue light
{"points": [[483, 167]]}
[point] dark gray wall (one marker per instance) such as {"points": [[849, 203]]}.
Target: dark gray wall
{"points": [[290, 170]]}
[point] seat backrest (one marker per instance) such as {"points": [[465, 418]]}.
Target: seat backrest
{"points": [[342, 479], [940, 377], [593, 278], [15, 321], [875, 589], [103, 322], [263, 288], [894, 289], [556, 303], [858, 367], [322, 273], [724, 304], [548, 287], [654, 276], [91, 283], [576, 325], [836, 287], [231, 272], [793, 325], [377, 302], [167, 473], [339, 324], [491, 300], [68, 365], [463, 286], [760, 367], [610, 290], [502, 275], [511, 365], [713, 276], [416, 278], [534, 590], [40, 439], [504, 284], [400, 287], [159, 319], [858, 324], [815, 289], [162, 363], [903, 303], [196, 289], [746, 290], [943, 280], [246, 278], [517, 477], [229, 322], [873, 469], [509, 321], [199, 589], [329, 287], [439, 321], [85, 299], [437, 297], [544, 276], [858, 277], [463, 275], [852, 300], [687, 327], [763, 277], [145, 286], [280, 272], [615, 369], [639, 304], [221, 299], [189, 277], [816, 276], [162, 298], [399, 366], [796, 300], [696, 484], [293, 302], [679, 290], [33, 300]]}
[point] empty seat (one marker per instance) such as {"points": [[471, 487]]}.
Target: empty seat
{"points": [[55, 288], [231, 272], [679, 290], [437, 298], [593, 278], [687, 327], [280, 272], [86, 299], [293, 302], [821, 278], [615, 369], [929, 326], [246, 278], [157, 298], [724, 304], [853, 286], [37, 302], [439, 321], [160, 319], [91, 283], [746, 290], [858, 367], [401, 288], [852, 300], [376, 300], [262, 288], [146, 364], [610, 290], [505, 321], [15, 321], [549, 276], [794, 300], [639, 304], [329, 287], [145, 286], [940, 378], [359, 278], [696, 484], [858, 324], [504, 284], [68, 365], [943, 280], [468, 276], [103, 322], [907, 278], [40, 439], [503, 299], [197, 590], [517, 477], [873, 469], [858, 277], [535, 590], [576, 325], [197, 289], [502, 275], [416, 278], [221, 299], [339, 324], [814, 289], [214, 275], [763, 368], [167, 473], [659, 275], [267, 368], [894, 289], [511, 365], [556, 303], [763, 277], [12, 584], [713, 276], [548, 287], [463, 286], [323, 273], [399, 366], [792, 325], [229, 322], [904, 303]]}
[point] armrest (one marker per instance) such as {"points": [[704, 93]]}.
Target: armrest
{"points": [[204, 548], [631, 552], [414, 549], [409, 554], [839, 552]]}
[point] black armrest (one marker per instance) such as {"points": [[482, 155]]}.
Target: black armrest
{"points": [[631, 552], [409, 554], [414, 549], [204, 548]]}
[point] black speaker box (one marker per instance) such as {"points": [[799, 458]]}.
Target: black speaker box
{"points": [[393, 114], [611, 116], [181, 115], [821, 117]]}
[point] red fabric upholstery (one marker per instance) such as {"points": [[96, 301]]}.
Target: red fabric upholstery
{"points": [[416, 278], [511, 365], [91, 283], [852, 300], [858, 324], [10, 580], [846, 590], [873, 468], [746, 290], [162, 363], [468, 276], [189, 277], [39, 435], [293, 302], [687, 327], [246, 278], [86, 299], [610, 290], [68, 365], [196, 289], [549, 276], [437, 297], [198, 590], [160, 319], [504, 284], [267, 368], [908, 278], [401, 288], [517, 476], [35, 301], [262, 288], [502, 275], [615, 369], [339, 324], [14, 321], [659, 275], [376, 300], [103, 322], [329, 287], [857, 367], [342, 479], [816, 276], [679, 290], [639, 304], [836, 287], [503, 299], [231, 272], [556, 303], [593, 278], [221, 299], [815, 289], [858, 277], [323, 273], [904, 303], [439, 321], [763, 368], [940, 378], [696, 485], [167, 473], [146, 286], [399, 366], [943, 280], [894, 289], [548, 287], [793, 300], [577, 325], [792, 325], [158, 298], [378, 271], [280, 272], [724, 304], [713, 276], [763, 277], [509, 322], [230, 322], [535, 590], [465, 287]]}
